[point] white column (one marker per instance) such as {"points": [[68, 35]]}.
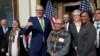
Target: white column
{"points": [[23, 11], [32, 7], [26, 9]]}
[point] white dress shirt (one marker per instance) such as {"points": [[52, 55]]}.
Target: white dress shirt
{"points": [[78, 28], [14, 47], [5, 29], [97, 26], [67, 26]]}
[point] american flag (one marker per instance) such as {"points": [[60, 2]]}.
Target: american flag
{"points": [[50, 12], [85, 6]]}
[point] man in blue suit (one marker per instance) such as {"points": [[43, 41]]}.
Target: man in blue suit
{"points": [[40, 28]]}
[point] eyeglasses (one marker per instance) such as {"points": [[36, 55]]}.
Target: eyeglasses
{"points": [[58, 23], [65, 17], [39, 10], [76, 15]]}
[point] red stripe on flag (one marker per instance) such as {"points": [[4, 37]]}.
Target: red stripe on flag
{"points": [[53, 19]]}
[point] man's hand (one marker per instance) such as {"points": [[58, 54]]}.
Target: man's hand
{"points": [[2, 50], [28, 24]]}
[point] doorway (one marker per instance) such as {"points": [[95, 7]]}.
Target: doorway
{"points": [[60, 6]]}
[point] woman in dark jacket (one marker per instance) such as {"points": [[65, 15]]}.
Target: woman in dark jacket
{"points": [[84, 40]]}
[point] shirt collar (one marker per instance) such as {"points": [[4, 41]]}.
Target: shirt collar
{"points": [[97, 22], [40, 18]]}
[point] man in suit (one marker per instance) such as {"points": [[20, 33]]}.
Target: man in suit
{"points": [[97, 26], [83, 41], [67, 22], [4, 35], [40, 28], [66, 18]]}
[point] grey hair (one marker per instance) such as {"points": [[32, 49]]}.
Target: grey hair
{"points": [[77, 11]]}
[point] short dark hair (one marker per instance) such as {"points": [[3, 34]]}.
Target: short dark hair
{"points": [[3, 19], [66, 13], [70, 18], [90, 14]]}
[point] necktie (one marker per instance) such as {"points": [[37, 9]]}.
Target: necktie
{"points": [[42, 24], [66, 26], [98, 25]]}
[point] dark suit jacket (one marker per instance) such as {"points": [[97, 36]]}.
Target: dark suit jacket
{"points": [[22, 50], [37, 33], [4, 38], [84, 40], [96, 37]]}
